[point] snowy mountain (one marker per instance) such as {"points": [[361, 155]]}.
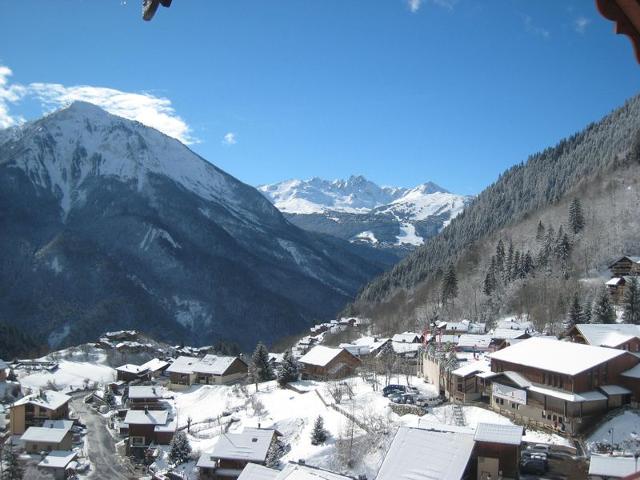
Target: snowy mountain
{"points": [[106, 223], [360, 211]]}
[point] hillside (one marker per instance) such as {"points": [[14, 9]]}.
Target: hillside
{"points": [[599, 166], [358, 210], [108, 224]]}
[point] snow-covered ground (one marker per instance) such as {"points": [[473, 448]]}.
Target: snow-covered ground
{"points": [[623, 428], [75, 370]]}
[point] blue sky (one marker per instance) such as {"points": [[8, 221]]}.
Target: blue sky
{"points": [[401, 91]]}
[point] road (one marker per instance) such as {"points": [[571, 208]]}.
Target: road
{"points": [[105, 462]]}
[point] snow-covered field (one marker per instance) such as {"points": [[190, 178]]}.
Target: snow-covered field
{"points": [[75, 371], [624, 429]]}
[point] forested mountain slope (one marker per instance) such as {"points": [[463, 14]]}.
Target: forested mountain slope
{"points": [[597, 165]]}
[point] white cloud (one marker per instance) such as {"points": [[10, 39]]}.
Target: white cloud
{"points": [[9, 93], [156, 112], [534, 29], [414, 5], [229, 139], [580, 24]]}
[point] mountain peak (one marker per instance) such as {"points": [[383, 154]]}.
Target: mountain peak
{"points": [[79, 107]]}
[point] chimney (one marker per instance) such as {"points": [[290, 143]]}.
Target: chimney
{"points": [[302, 461]]}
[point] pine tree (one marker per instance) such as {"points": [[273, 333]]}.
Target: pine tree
{"points": [[260, 368], [500, 257], [576, 216], [319, 434], [631, 302], [487, 286], [528, 265], [108, 397], [516, 267], [289, 369], [449, 285], [12, 466], [575, 314], [508, 265], [603, 311], [180, 448], [586, 312], [540, 231]]}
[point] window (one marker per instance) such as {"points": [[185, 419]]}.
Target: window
{"points": [[137, 441]]}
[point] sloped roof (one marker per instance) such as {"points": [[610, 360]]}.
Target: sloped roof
{"points": [[417, 454], [508, 333], [58, 459], [608, 334], [154, 365], [633, 372], [615, 281], [48, 399], [470, 340], [209, 364], [143, 391], [130, 368], [472, 367], [493, 433], [556, 356], [254, 471], [252, 445], [146, 417], [302, 472], [320, 355], [615, 467], [44, 434], [406, 337]]}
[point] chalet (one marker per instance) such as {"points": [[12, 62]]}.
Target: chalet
{"points": [[147, 371], [625, 266], [448, 458], [366, 346], [510, 334], [292, 471], [407, 337], [464, 383], [479, 343], [140, 397], [559, 384], [615, 335], [328, 363], [209, 370], [148, 427], [497, 450], [33, 410], [234, 451], [605, 467], [59, 464], [53, 435], [615, 287]]}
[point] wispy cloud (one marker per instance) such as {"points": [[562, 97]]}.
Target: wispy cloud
{"points": [[414, 5], [580, 24], [9, 93], [229, 139], [533, 29], [448, 4], [150, 110]]}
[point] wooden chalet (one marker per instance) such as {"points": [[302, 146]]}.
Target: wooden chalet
{"points": [[209, 370], [148, 427], [33, 410], [625, 266], [324, 363]]}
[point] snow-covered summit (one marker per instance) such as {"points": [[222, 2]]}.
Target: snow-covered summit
{"points": [[64, 149]]}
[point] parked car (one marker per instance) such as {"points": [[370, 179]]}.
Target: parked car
{"points": [[535, 466], [389, 389]]}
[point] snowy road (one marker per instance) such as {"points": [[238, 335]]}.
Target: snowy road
{"points": [[102, 451]]}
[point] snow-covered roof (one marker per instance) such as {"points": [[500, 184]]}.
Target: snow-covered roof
{"points": [[130, 368], [615, 281], [508, 333], [592, 396], [138, 392], [608, 335], [516, 378], [472, 367], [615, 390], [633, 259], [462, 326], [252, 444], [48, 399], [320, 355], [633, 372], [294, 471], [611, 467], [479, 341], [513, 323], [58, 459], [64, 424], [44, 434], [154, 365], [401, 347], [493, 433], [170, 426], [209, 364], [556, 356], [146, 417], [406, 337], [417, 454], [254, 471]]}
